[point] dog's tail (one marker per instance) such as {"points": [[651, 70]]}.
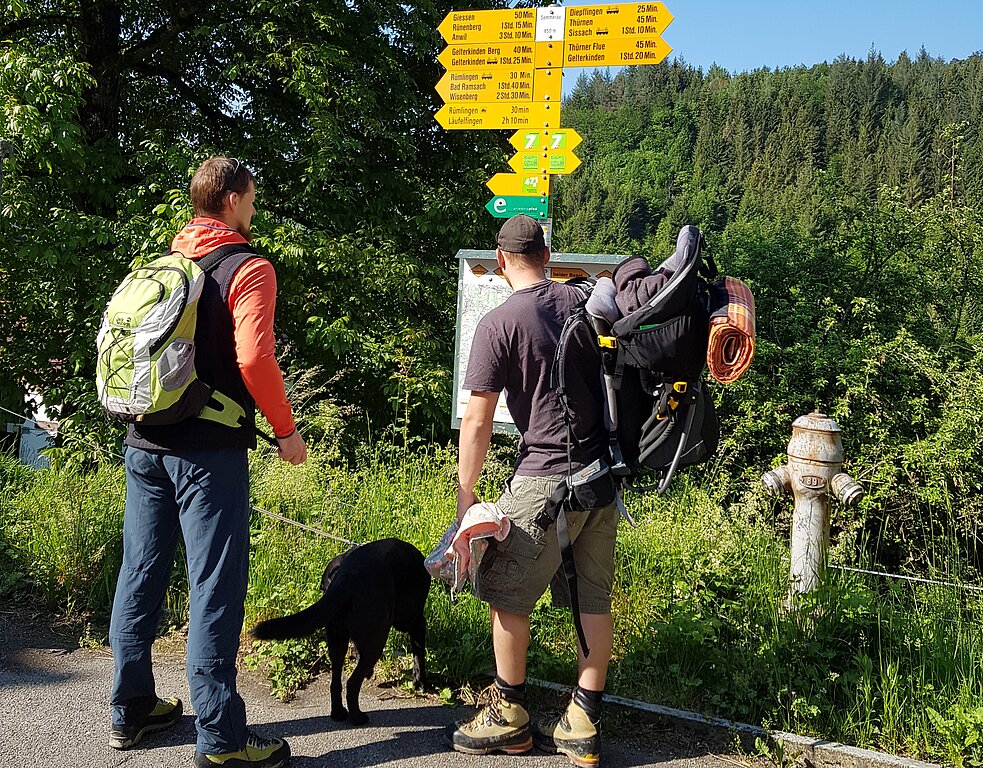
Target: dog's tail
{"points": [[300, 624]]}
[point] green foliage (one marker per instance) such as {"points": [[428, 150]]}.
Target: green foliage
{"points": [[962, 729], [110, 107], [60, 532], [775, 753], [699, 601], [847, 197]]}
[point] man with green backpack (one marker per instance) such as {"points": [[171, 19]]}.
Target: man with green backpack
{"points": [[186, 355]]}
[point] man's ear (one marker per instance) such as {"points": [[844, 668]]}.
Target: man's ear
{"points": [[546, 256], [500, 257]]}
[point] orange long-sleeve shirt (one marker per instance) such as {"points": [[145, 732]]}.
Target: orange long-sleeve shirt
{"points": [[252, 302]]}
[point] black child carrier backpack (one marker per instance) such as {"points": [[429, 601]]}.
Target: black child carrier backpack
{"points": [[664, 416], [653, 330]]}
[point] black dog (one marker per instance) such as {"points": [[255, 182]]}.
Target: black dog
{"points": [[367, 590]]}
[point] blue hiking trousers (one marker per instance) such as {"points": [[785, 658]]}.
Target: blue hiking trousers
{"points": [[205, 494]]}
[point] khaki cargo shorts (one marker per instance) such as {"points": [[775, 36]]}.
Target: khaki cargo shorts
{"points": [[515, 572]]}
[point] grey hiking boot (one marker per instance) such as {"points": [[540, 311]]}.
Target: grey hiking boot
{"points": [[166, 713], [259, 752]]}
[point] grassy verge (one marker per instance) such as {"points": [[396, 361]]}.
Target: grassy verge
{"points": [[699, 601]]}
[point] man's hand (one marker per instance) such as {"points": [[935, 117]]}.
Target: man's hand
{"points": [[292, 448]]}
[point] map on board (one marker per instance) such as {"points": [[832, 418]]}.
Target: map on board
{"points": [[481, 288]]}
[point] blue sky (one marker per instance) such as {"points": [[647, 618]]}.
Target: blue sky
{"points": [[742, 36]]}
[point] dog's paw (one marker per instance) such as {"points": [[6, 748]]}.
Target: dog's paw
{"points": [[339, 713], [359, 718]]}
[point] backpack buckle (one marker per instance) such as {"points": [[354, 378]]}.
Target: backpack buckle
{"points": [[608, 342]]}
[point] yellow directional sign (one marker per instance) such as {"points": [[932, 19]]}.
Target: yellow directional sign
{"points": [[616, 51], [514, 25], [562, 274], [480, 85], [622, 20], [499, 116], [556, 162], [501, 56], [519, 184], [564, 138]]}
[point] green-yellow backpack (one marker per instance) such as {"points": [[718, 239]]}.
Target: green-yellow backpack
{"points": [[145, 369]]}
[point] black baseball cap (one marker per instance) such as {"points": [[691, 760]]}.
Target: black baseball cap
{"points": [[521, 234]]}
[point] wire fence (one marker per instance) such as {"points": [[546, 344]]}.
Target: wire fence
{"points": [[268, 513], [319, 532]]}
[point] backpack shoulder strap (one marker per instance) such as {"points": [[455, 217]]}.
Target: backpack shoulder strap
{"points": [[211, 260], [583, 284], [558, 379]]}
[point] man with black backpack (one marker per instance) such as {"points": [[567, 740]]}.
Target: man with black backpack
{"points": [[513, 351], [193, 476]]}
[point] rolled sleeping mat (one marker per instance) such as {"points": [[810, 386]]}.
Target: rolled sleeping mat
{"points": [[732, 330]]}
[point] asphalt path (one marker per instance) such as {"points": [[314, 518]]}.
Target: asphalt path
{"points": [[53, 696]]}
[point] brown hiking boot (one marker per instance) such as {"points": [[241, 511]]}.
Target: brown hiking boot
{"points": [[571, 732], [500, 725]]}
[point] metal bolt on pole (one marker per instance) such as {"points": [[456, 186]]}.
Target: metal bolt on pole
{"points": [[812, 475]]}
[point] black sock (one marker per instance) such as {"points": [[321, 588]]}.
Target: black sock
{"points": [[514, 693], [589, 701]]}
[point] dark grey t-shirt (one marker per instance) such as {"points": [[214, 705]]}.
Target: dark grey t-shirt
{"points": [[513, 350]]}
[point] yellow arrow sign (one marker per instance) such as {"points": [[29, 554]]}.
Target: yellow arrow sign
{"points": [[501, 56], [479, 85], [519, 184], [470, 117], [564, 138], [544, 161], [515, 25], [620, 20], [617, 51]]}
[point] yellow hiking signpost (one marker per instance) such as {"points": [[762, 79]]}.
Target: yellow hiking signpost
{"points": [[560, 139], [513, 84], [621, 20], [545, 151], [500, 56], [615, 51], [499, 116], [519, 184], [504, 26], [554, 163], [505, 70]]}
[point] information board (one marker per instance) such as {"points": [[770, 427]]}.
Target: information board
{"points": [[480, 289]]}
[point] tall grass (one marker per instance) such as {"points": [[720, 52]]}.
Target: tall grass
{"points": [[699, 602], [62, 532]]}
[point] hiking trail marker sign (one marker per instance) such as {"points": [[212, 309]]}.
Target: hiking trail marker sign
{"points": [[505, 70]]}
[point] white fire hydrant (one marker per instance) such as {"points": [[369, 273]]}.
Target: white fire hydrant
{"points": [[815, 456]]}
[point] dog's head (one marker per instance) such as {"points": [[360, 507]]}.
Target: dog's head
{"points": [[333, 567]]}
